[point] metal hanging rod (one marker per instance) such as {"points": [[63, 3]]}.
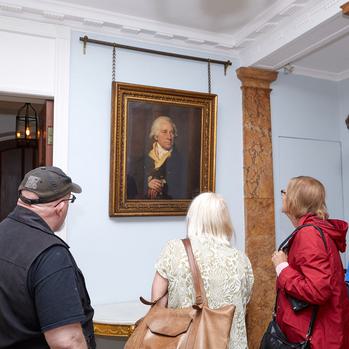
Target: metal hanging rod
{"points": [[85, 39]]}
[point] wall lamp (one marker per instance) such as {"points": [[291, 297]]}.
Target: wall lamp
{"points": [[27, 123]]}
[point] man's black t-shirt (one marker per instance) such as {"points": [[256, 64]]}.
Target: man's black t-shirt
{"points": [[41, 287], [52, 282]]}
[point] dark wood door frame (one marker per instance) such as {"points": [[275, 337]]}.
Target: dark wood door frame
{"points": [[46, 135], [18, 157]]}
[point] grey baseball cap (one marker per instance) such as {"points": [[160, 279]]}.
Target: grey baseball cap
{"points": [[48, 183]]}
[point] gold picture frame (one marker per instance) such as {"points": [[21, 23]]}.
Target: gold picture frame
{"points": [[150, 124]]}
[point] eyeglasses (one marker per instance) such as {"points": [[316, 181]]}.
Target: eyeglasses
{"points": [[283, 192], [71, 199]]}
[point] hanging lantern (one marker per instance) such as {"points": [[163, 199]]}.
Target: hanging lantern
{"points": [[27, 123]]}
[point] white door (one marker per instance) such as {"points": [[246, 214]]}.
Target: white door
{"points": [[320, 159]]}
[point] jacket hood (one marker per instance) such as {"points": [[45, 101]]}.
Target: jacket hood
{"points": [[336, 229]]}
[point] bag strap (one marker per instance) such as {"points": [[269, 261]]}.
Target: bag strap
{"points": [[200, 295], [283, 246], [146, 302], [312, 319]]}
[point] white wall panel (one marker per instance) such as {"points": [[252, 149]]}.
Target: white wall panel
{"points": [[34, 62], [309, 139], [311, 157], [27, 64]]}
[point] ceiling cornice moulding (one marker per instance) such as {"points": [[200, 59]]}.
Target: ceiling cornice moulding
{"points": [[345, 75], [321, 74], [269, 19], [312, 14], [84, 18], [270, 30], [314, 73], [98, 21]]}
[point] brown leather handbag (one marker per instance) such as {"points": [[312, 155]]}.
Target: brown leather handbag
{"points": [[197, 327]]}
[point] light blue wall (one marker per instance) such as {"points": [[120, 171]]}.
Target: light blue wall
{"points": [[304, 107], [306, 111], [117, 254]]}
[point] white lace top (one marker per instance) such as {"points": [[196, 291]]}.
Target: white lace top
{"points": [[226, 273]]}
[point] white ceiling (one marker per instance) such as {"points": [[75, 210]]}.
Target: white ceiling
{"points": [[311, 35], [231, 19], [217, 16], [333, 57]]}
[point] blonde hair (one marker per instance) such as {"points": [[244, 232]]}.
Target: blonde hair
{"points": [[306, 195], [208, 214], [155, 127]]}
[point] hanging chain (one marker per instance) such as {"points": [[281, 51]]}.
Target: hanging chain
{"points": [[113, 63], [209, 75]]}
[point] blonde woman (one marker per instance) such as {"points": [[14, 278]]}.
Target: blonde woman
{"points": [[226, 271], [312, 270]]}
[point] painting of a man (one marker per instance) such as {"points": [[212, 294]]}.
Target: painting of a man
{"points": [[162, 149], [163, 152], [164, 178]]}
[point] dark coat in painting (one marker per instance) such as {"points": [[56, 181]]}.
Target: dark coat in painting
{"points": [[174, 171]]}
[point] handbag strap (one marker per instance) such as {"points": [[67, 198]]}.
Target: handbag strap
{"points": [[200, 295], [312, 319], [283, 246]]}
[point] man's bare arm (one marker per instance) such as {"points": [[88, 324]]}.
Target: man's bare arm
{"points": [[66, 337]]}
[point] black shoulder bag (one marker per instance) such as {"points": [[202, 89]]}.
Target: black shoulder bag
{"points": [[273, 337]]}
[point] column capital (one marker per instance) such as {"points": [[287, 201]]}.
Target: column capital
{"points": [[345, 9], [256, 77]]}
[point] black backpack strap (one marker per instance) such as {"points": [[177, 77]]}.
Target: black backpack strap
{"points": [[284, 244]]}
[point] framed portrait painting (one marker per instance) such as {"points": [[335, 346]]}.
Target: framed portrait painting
{"points": [[163, 149]]}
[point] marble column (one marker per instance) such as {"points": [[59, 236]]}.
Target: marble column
{"points": [[258, 196]]}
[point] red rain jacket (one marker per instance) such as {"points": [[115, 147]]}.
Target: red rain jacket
{"points": [[316, 276]]}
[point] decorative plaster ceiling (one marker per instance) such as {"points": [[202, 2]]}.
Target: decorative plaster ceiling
{"points": [[329, 62], [218, 16], [321, 53], [263, 33], [323, 58]]}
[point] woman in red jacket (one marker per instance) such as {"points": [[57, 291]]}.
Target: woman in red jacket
{"points": [[312, 270]]}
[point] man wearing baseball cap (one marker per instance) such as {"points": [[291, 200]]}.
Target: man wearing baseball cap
{"points": [[43, 298]]}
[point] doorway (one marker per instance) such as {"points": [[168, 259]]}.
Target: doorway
{"points": [[19, 157]]}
